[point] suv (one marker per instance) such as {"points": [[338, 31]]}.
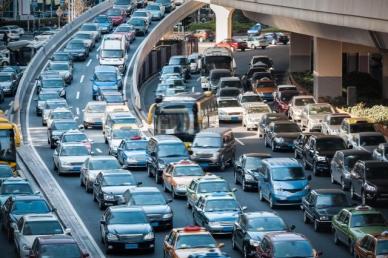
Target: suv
{"points": [[214, 147], [281, 135], [350, 126], [272, 177], [320, 150], [183, 62], [162, 150], [106, 76], [369, 180]]}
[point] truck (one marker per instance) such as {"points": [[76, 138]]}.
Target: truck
{"points": [[114, 51]]}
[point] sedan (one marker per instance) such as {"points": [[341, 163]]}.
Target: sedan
{"points": [[117, 15], [132, 153], [281, 135], [77, 50], [8, 83], [127, 30], [142, 13], [62, 56], [57, 114], [233, 44], [64, 69], [93, 113], [155, 10], [50, 105], [104, 23], [56, 246], [69, 157], [140, 25], [44, 95], [87, 38]]}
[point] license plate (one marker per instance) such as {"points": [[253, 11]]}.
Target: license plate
{"points": [[234, 118], [76, 168], [226, 229], [154, 224], [131, 246], [205, 164]]}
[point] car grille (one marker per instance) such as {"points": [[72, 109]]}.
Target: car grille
{"points": [[204, 155], [292, 190], [131, 238], [154, 216], [235, 113], [289, 140], [76, 163]]}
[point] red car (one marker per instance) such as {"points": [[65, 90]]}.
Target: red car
{"points": [[233, 44], [117, 15], [282, 99], [56, 246], [126, 30]]}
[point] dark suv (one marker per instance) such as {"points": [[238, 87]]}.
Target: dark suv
{"points": [[369, 180], [281, 135], [320, 150], [162, 150], [300, 143]]}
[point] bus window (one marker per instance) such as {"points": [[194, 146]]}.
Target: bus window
{"points": [[7, 146]]}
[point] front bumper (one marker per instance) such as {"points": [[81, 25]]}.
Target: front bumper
{"points": [[136, 164], [207, 162], [222, 229], [70, 168], [159, 222], [78, 56], [125, 245], [287, 198], [230, 118], [93, 122], [323, 166], [284, 145]]}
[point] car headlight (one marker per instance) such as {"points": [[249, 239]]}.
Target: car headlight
{"points": [[249, 177], [181, 187], [222, 113], [323, 217], [108, 197], [131, 160], [214, 224], [279, 140], [167, 216], [149, 236], [370, 188], [321, 158], [26, 247], [111, 237], [253, 242]]}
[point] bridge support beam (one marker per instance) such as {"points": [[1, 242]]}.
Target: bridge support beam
{"points": [[385, 76], [327, 68], [300, 52], [363, 62], [223, 22]]}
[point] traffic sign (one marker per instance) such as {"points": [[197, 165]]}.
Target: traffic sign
{"points": [[59, 12]]}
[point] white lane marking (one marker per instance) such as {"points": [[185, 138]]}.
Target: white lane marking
{"points": [[240, 142], [77, 111], [11, 103], [98, 150], [77, 96], [89, 62], [82, 79]]}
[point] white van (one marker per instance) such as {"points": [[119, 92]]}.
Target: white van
{"points": [[113, 51]]}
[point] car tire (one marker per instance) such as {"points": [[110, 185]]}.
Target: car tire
{"points": [[261, 196], [188, 205], [335, 238], [273, 147], [222, 165], [52, 145], [101, 205], [94, 197], [234, 246], [86, 126], [81, 181], [351, 247], [253, 46], [245, 252], [271, 204], [306, 219], [317, 227], [235, 178], [244, 185]]}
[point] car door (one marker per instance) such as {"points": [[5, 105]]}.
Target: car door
{"points": [[103, 226], [238, 168], [343, 224], [238, 235], [167, 177], [307, 205], [191, 192], [357, 178], [336, 166], [19, 233], [198, 213], [265, 184], [169, 244]]}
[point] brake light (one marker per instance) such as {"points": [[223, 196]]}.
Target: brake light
{"points": [[137, 137], [185, 161], [192, 229]]}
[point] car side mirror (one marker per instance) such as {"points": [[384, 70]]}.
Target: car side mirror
{"points": [[234, 190], [292, 227], [220, 245], [309, 177], [102, 222], [169, 201], [67, 231]]}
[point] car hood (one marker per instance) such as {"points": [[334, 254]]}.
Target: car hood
{"points": [[94, 115], [119, 189], [231, 109], [156, 209], [329, 211], [291, 185], [287, 135], [168, 160], [121, 229], [185, 253], [73, 158], [204, 150], [185, 180], [255, 235], [58, 132], [255, 116], [222, 216]]}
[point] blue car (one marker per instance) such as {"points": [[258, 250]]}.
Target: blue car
{"points": [[255, 30], [104, 22], [105, 76], [132, 153], [217, 212], [282, 181]]}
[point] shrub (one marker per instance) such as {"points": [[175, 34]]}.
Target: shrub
{"points": [[305, 80], [377, 113]]}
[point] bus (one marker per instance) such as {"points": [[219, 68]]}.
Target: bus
{"points": [[9, 141], [184, 115]]}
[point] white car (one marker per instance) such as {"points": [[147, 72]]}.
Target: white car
{"points": [[229, 109], [13, 32], [69, 157], [119, 133], [331, 123], [248, 98], [59, 113], [78, 137], [253, 113], [257, 42], [297, 104], [32, 226], [143, 13], [313, 114], [94, 113]]}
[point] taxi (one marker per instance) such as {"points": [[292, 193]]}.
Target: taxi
{"points": [[372, 246], [352, 224], [118, 133], [188, 241], [353, 125], [177, 176]]}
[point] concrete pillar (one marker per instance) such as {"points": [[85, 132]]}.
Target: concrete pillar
{"points": [[327, 68], [223, 22], [363, 62], [300, 52], [385, 76]]}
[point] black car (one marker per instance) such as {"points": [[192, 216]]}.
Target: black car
{"points": [[126, 228], [281, 135], [17, 206], [320, 150], [266, 119], [283, 38], [52, 81], [6, 172], [62, 56], [110, 185], [342, 164], [369, 180], [9, 83], [320, 205], [77, 50], [246, 169], [57, 128], [300, 143], [246, 78]]}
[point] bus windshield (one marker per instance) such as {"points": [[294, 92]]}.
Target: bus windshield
{"points": [[7, 145]]}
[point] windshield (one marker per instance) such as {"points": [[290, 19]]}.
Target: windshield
{"points": [[337, 120], [32, 228], [89, 28], [127, 217], [74, 151], [124, 120], [188, 171], [30, 206], [59, 67], [16, 189], [258, 110], [46, 96], [52, 83], [176, 120], [229, 92], [172, 150], [104, 164], [137, 22], [64, 126], [123, 134], [376, 173], [371, 140], [114, 12], [253, 163], [195, 241], [139, 14], [105, 77], [61, 115], [5, 78], [5, 171], [361, 127], [119, 180], [367, 220], [124, 29], [101, 19], [293, 248], [228, 103], [207, 142], [263, 224], [253, 98], [54, 105], [235, 84], [214, 77], [136, 145], [60, 251], [288, 174], [382, 247], [303, 101], [95, 108], [331, 200], [153, 7], [218, 62], [212, 187], [148, 199], [112, 53], [222, 205], [171, 69], [122, 2], [328, 144], [319, 110], [75, 45], [286, 96], [74, 138], [351, 160], [7, 145], [286, 128], [82, 36]]}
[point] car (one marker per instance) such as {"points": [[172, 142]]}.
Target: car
{"points": [[106, 76], [265, 87], [93, 114], [320, 205], [2, 95], [177, 177], [204, 35], [143, 13], [251, 227], [229, 109], [110, 186], [252, 114], [42, 29], [171, 70], [372, 246], [256, 60], [57, 128], [151, 200], [343, 163], [110, 97], [249, 97], [44, 36], [217, 212], [255, 30], [63, 68], [297, 104], [118, 134], [141, 3], [300, 143], [369, 180], [352, 224], [69, 157], [214, 77], [118, 118], [276, 37], [367, 141], [233, 44], [282, 100], [77, 50], [87, 38], [280, 135], [247, 77], [286, 244], [194, 60], [206, 185], [162, 150], [140, 25], [127, 30], [50, 105], [156, 10], [131, 153], [117, 15], [57, 114], [127, 6], [229, 92], [126, 228], [6, 172], [56, 245], [255, 42], [63, 56], [14, 186], [313, 114], [43, 96], [319, 151], [191, 241], [183, 62], [232, 82], [381, 152], [104, 23], [13, 32], [282, 38], [272, 177], [264, 74], [30, 226], [332, 122], [168, 5], [266, 119], [78, 137], [52, 81], [246, 170], [9, 83], [350, 126], [92, 28]]}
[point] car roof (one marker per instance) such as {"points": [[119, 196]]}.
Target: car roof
{"points": [[184, 163], [304, 97], [362, 210], [209, 177], [213, 131], [55, 239], [218, 70], [219, 196], [282, 162], [250, 93], [104, 68], [286, 236], [230, 78], [283, 122], [144, 189], [63, 121], [102, 157], [40, 217], [167, 138], [15, 180]]}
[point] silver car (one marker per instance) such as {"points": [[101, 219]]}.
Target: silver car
{"points": [[331, 123], [69, 157], [140, 25], [44, 95], [92, 28], [119, 134], [59, 113], [94, 113], [156, 11], [143, 13], [64, 69], [51, 105], [87, 38], [297, 104], [94, 165], [313, 114]]}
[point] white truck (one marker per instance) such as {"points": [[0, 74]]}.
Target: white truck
{"points": [[113, 51]]}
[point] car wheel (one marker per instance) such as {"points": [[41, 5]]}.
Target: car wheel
{"points": [[188, 205], [271, 203], [273, 147], [52, 145], [149, 171], [86, 126], [244, 185], [81, 181], [336, 240], [253, 46], [235, 178], [316, 226], [306, 219], [261, 196], [94, 197], [101, 205]]}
